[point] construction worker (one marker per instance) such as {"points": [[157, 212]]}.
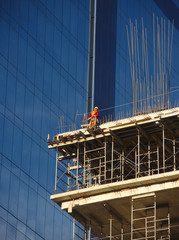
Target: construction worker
{"points": [[93, 117]]}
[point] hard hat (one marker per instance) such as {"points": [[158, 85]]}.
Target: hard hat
{"points": [[96, 108]]}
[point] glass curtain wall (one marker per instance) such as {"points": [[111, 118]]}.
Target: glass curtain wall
{"points": [[143, 12], [114, 90], [43, 72]]}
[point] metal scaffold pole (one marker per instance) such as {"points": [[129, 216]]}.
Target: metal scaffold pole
{"points": [[174, 155], [105, 160], [84, 165], [77, 170], [158, 162], [56, 172], [110, 227], [138, 153], [73, 228], [112, 158], [89, 232], [149, 162], [163, 135]]}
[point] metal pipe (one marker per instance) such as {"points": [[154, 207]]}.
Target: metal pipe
{"points": [[56, 172], [73, 228], [132, 219], [163, 135], [110, 227], [89, 232], [136, 168], [123, 165], [158, 165], [149, 158], [105, 159], [112, 156], [174, 155], [138, 152], [77, 170], [84, 164], [155, 212], [122, 233], [68, 176]]}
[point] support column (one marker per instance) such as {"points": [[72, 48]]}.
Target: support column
{"points": [[105, 160], [68, 175], [163, 136], [73, 228], [149, 165], [56, 172], [136, 165], [123, 165], [84, 165], [158, 159], [110, 230], [132, 219], [122, 233], [155, 218], [112, 158], [138, 153], [174, 156], [77, 167], [89, 232]]}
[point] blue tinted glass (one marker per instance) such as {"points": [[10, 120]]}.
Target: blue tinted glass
{"points": [[22, 51], [3, 226], [13, 46], [11, 231], [57, 44], [65, 52], [26, 149], [28, 110], [55, 87], [7, 141], [24, 13], [14, 194], [40, 27], [49, 36], [34, 167], [31, 64], [57, 224], [37, 115], [4, 40], [32, 208], [32, 24], [4, 187], [23, 201], [39, 71], [10, 94], [3, 84], [49, 221], [40, 224], [43, 169], [39, 53], [19, 104]]}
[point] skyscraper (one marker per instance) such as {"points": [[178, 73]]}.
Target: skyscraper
{"points": [[43, 72], [44, 57]]}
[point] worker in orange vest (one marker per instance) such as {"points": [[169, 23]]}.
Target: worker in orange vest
{"points": [[93, 117]]}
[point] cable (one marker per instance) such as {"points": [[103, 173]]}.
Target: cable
{"points": [[125, 104]]}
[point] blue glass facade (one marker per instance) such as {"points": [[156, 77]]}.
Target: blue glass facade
{"points": [[43, 72], [105, 55], [43, 75], [112, 64]]}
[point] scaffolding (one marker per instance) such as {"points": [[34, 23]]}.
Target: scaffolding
{"points": [[84, 159], [144, 222], [118, 152]]}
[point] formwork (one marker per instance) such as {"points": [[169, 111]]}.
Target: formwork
{"points": [[121, 180]]}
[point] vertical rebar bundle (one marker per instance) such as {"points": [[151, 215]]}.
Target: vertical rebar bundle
{"points": [[150, 82]]}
